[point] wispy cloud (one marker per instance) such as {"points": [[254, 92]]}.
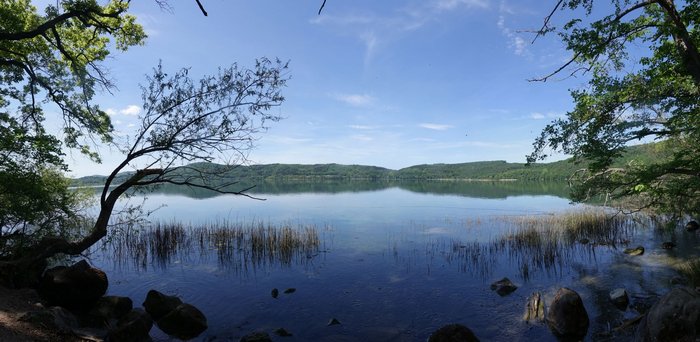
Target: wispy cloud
{"points": [[516, 43], [363, 127], [374, 30], [355, 100], [361, 137], [131, 110], [453, 4], [435, 127], [548, 115]]}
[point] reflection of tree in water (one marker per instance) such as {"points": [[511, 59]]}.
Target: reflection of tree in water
{"points": [[236, 247]]}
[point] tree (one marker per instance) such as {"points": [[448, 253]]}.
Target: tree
{"points": [[52, 61], [632, 96], [216, 118]]}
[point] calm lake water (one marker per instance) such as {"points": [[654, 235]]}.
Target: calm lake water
{"points": [[393, 263]]}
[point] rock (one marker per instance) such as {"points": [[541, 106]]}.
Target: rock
{"points": [[283, 333], [535, 308], [639, 250], [55, 318], [333, 321], [111, 307], [77, 287], [159, 305], [675, 317], [620, 298], [692, 226], [275, 293], [256, 337], [184, 322], [503, 287], [584, 241], [567, 317], [134, 326], [290, 290], [668, 245], [453, 333]]}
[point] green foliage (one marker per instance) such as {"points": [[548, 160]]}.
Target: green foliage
{"points": [[54, 58], [51, 61], [36, 205], [633, 96]]}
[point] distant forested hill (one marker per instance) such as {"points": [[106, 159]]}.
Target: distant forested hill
{"points": [[484, 170]]}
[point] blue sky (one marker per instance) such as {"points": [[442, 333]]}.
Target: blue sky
{"points": [[386, 83]]}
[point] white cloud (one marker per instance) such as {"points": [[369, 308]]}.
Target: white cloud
{"points": [[131, 110], [548, 115], [363, 127], [361, 137], [355, 100], [435, 127], [375, 30], [452, 4], [515, 42]]}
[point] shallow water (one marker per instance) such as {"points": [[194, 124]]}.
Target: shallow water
{"points": [[394, 264]]}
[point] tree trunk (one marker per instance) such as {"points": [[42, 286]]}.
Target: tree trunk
{"points": [[26, 270]]}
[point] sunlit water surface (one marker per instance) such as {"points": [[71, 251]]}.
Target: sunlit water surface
{"points": [[390, 266]]}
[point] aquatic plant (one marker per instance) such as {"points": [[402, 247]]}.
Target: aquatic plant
{"points": [[691, 271], [237, 246]]}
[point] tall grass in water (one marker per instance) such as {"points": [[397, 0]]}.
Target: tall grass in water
{"points": [[549, 242], [690, 270], [236, 246]]}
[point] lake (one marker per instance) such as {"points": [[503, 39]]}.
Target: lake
{"points": [[395, 261]]}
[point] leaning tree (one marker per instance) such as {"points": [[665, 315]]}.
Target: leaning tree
{"points": [[50, 63], [212, 120], [643, 68]]}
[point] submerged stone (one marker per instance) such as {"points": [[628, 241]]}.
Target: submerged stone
{"points": [[184, 322], [453, 333], [158, 304], [639, 250], [692, 226], [258, 336], [275, 292], [282, 332], [620, 298], [503, 287]]}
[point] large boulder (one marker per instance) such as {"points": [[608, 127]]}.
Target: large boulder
{"points": [[567, 317], [184, 322], [692, 226], [77, 287], [158, 304], [453, 333], [135, 326], [675, 317]]}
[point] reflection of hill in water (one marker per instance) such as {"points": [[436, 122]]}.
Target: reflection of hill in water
{"points": [[492, 190]]}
